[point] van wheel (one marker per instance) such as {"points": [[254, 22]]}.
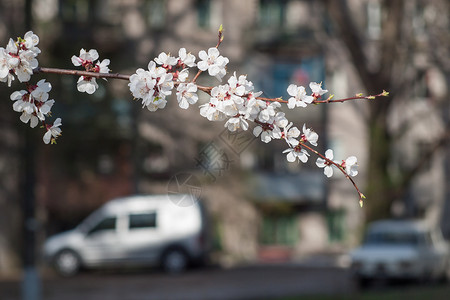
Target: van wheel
{"points": [[174, 261], [67, 263]]}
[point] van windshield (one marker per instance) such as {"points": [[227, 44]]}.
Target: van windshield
{"points": [[393, 238], [90, 221]]}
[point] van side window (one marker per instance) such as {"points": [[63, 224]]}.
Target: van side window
{"points": [[108, 223], [144, 220]]}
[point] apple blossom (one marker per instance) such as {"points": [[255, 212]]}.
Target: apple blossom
{"points": [[30, 40], [268, 112], [213, 62], [351, 165], [183, 75], [296, 152], [237, 122], [272, 130], [309, 135], [317, 90], [236, 102], [87, 60], [4, 63], [210, 111], [152, 86], [299, 97], [166, 60], [187, 59], [327, 165], [186, 94], [19, 58], [52, 132], [33, 104], [289, 135]]}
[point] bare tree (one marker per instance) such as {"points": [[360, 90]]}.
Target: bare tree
{"points": [[400, 44]]}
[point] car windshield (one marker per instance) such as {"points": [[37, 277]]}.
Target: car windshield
{"points": [[392, 238]]}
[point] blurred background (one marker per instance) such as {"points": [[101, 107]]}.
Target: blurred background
{"points": [[262, 208]]}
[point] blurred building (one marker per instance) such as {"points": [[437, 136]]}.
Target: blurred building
{"points": [[262, 207]]}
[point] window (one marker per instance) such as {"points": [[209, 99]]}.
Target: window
{"points": [[156, 13], [204, 13], [280, 230], [272, 13], [145, 220], [336, 225], [108, 223], [74, 10]]}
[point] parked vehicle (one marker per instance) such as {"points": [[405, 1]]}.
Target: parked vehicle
{"points": [[400, 249], [136, 230]]}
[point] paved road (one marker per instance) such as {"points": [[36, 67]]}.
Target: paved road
{"points": [[251, 282]]}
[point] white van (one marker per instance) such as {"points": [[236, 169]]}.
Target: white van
{"points": [[136, 230]]}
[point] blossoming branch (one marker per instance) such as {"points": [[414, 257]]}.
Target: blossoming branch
{"points": [[236, 102]]}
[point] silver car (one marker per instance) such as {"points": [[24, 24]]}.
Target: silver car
{"points": [[137, 230], [401, 250]]}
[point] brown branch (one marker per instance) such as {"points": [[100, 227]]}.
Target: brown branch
{"points": [[360, 195], [81, 73]]}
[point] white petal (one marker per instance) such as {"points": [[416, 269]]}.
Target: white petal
{"points": [[47, 137], [257, 130], [202, 65], [351, 160], [292, 103], [328, 171], [329, 154], [291, 156], [202, 54], [76, 61], [320, 162], [292, 90]]}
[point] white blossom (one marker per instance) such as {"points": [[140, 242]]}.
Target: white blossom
{"points": [[183, 75], [5, 66], [268, 113], [253, 108], [30, 42], [237, 122], [235, 87], [87, 60], [34, 106], [289, 134], [309, 135], [210, 111], [103, 66], [85, 57], [213, 62], [41, 90], [157, 103], [351, 165], [152, 86], [186, 58], [266, 135], [166, 60], [187, 94], [317, 90], [323, 163], [52, 131], [87, 84], [17, 59], [272, 130], [296, 152], [299, 97]]}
